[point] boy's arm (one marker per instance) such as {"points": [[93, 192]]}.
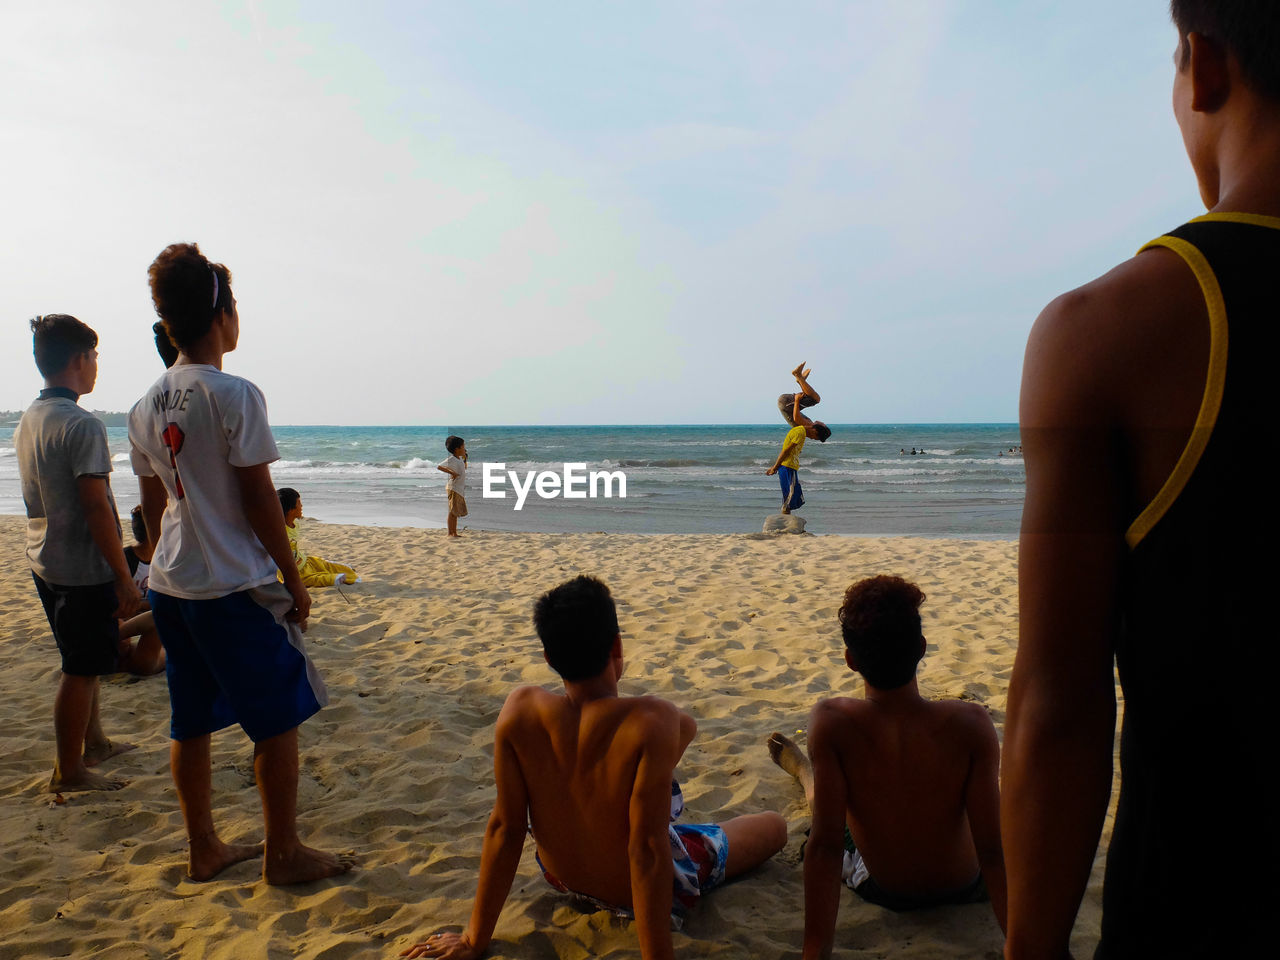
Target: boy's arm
{"points": [[1061, 714], [101, 518], [261, 505], [500, 855], [786, 452], [824, 853], [649, 846], [982, 805], [154, 499], [448, 471]]}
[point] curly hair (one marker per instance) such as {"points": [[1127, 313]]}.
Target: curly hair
{"points": [[577, 623], [188, 292], [880, 621]]}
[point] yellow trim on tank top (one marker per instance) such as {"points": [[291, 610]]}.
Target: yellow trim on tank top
{"points": [[1210, 403], [1257, 219]]}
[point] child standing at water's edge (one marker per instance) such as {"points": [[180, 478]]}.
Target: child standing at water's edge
{"points": [[455, 465]]}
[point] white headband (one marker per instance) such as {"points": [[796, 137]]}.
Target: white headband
{"points": [[215, 287]]}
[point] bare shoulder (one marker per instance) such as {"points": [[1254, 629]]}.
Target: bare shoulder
{"points": [[1086, 344], [830, 718], [651, 715], [526, 696], [967, 719], [524, 706]]}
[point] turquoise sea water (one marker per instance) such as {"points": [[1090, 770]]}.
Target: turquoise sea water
{"points": [[680, 479]]}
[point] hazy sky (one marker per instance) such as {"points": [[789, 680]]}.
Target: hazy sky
{"points": [[473, 212]]}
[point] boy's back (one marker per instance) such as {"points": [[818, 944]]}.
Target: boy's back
{"points": [[590, 773], [191, 429], [914, 782], [908, 775], [588, 770], [57, 442]]}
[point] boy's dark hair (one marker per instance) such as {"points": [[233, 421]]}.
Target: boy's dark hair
{"points": [[823, 432], [138, 525], [164, 346], [452, 443], [56, 338], [289, 498], [577, 623], [1249, 29], [188, 292], [880, 620]]}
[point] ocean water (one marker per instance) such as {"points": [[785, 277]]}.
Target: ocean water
{"points": [[679, 479]]}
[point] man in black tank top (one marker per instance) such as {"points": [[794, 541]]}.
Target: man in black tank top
{"points": [[1141, 392]]}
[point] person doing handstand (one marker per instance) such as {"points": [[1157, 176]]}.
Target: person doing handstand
{"points": [[787, 465], [904, 791], [590, 774]]}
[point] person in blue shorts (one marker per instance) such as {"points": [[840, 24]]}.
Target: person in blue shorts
{"points": [[787, 466], [201, 446]]}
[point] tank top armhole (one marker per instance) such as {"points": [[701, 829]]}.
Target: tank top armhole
{"points": [[1210, 403]]}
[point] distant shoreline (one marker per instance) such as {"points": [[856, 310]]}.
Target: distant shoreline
{"points": [[116, 418]]}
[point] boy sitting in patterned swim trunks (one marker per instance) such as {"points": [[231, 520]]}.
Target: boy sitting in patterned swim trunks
{"points": [[589, 773]]}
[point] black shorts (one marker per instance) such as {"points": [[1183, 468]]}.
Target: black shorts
{"points": [[84, 624]]}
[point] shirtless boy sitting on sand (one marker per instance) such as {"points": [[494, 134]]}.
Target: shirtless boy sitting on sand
{"points": [[590, 774], [915, 781]]}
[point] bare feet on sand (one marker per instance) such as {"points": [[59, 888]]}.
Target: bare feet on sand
{"points": [[305, 865], [787, 754], [95, 753], [88, 780], [794, 761], [213, 858]]}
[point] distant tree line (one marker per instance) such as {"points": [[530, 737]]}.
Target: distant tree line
{"points": [[10, 418]]}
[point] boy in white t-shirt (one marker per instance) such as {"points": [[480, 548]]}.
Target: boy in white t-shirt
{"points": [[202, 447], [455, 465]]}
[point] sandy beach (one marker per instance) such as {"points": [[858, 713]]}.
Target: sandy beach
{"points": [[740, 631]]}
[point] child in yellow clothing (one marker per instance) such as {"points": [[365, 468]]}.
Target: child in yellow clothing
{"points": [[315, 571]]}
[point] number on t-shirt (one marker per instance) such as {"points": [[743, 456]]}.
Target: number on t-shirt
{"points": [[173, 438]]}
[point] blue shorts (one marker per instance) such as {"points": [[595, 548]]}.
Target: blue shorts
{"points": [[792, 494], [235, 659]]}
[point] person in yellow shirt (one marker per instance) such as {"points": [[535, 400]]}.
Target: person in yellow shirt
{"points": [[787, 465], [315, 571]]}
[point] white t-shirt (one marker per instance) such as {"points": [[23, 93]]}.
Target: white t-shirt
{"points": [[458, 466], [192, 429]]}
